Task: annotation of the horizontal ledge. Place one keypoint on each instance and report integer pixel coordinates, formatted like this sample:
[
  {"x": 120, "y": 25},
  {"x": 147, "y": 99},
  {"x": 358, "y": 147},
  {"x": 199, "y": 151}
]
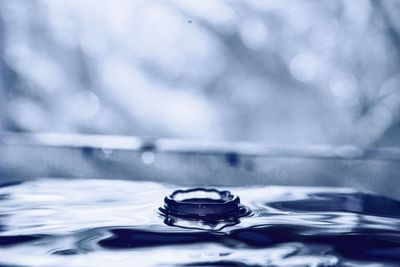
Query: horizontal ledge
[{"x": 109, "y": 142}]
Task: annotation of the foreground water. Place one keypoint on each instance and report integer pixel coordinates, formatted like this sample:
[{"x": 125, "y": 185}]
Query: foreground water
[{"x": 52, "y": 222}]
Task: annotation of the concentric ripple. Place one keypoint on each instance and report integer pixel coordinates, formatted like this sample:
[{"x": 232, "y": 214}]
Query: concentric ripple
[{"x": 53, "y": 222}]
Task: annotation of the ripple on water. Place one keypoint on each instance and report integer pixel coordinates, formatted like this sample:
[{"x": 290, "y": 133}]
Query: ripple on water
[{"x": 53, "y": 222}]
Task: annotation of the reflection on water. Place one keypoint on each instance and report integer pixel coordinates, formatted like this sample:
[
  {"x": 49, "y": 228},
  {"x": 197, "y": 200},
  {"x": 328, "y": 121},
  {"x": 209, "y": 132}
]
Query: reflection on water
[{"x": 101, "y": 223}]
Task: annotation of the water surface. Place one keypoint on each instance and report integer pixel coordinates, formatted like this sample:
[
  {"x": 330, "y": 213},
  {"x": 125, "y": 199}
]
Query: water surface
[{"x": 53, "y": 222}]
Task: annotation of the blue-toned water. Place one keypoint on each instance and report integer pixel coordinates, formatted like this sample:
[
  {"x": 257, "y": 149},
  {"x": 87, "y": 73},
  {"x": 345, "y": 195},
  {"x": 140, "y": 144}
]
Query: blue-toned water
[{"x": 53, "y": 222}]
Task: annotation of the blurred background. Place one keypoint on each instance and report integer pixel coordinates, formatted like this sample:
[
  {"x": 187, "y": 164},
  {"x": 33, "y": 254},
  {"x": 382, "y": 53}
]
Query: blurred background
[{"x": 277, "y": 72}]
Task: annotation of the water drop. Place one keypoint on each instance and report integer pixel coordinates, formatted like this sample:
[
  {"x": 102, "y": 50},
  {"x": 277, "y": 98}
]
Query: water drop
[{"x": 203, "y": 204}]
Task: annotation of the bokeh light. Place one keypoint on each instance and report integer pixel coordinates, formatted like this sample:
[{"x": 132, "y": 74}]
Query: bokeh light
[{"x": 306, "y": 73}]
